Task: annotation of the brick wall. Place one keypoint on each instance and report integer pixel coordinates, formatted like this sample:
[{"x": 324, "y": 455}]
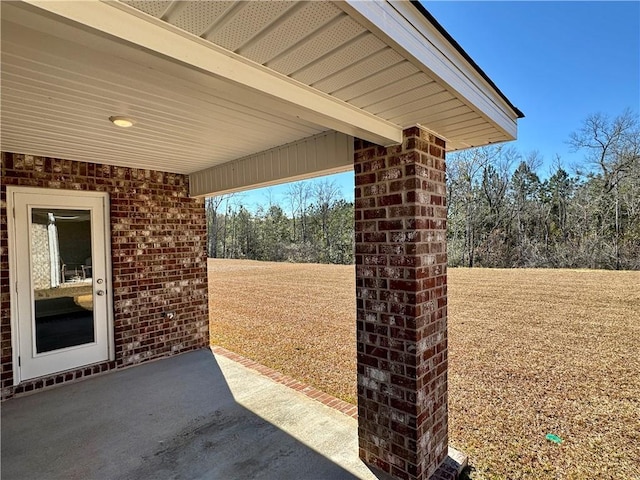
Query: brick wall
[
  {"x": 402, "y": 304},
  {"x": 159, "y": 261}
]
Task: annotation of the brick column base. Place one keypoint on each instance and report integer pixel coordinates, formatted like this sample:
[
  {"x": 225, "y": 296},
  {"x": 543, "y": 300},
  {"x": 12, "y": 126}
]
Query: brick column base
[{"x": 401, "y": 287}]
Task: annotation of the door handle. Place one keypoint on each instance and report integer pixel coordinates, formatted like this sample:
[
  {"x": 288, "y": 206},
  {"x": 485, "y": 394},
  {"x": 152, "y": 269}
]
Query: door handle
[{"x": 100, "y": 293}]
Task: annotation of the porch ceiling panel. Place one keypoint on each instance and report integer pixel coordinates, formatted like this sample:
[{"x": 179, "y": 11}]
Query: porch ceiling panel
[
  {"x": 209, "y": 82},
  {"x": 47, "y": 97},
  {"x": 360, "y": 52}
]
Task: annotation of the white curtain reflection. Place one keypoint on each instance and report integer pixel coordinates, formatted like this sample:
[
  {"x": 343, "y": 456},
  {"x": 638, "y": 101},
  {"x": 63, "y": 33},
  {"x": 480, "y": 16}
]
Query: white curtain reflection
[{"x": 54, "y": 251}]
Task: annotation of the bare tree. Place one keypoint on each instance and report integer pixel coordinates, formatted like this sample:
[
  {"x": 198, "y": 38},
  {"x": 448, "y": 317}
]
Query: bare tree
[
  {"x": 298, "y": 196},
  {"x": 613, "y": 147},
  {"x": 326, "y": 193},
  {"x": 216, "y": 222},
  {"x": 470, "y": 174}
]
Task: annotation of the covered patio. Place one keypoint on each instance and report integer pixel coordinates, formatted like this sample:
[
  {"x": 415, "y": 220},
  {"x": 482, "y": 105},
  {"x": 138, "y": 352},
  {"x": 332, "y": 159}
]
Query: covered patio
[
  {"x": 123, "y": 115},
  {"x": 138, "y": 423}
]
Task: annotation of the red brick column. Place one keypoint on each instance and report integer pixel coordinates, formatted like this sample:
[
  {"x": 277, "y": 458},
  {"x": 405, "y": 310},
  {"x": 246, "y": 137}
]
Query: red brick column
[{"x": 401, "y": 286}]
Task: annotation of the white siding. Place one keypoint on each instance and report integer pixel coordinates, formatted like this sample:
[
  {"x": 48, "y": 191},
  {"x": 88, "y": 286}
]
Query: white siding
[{"x": 329, "y": 152}]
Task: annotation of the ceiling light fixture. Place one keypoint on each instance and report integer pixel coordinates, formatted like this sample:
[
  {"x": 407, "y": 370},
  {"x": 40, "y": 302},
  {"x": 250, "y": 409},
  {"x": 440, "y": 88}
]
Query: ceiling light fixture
[{"x": 123, "y": 122}]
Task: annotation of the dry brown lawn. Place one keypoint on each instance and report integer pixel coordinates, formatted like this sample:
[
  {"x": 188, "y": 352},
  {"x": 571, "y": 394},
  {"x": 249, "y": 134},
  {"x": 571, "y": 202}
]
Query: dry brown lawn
[{"x": 531, "y": 352}]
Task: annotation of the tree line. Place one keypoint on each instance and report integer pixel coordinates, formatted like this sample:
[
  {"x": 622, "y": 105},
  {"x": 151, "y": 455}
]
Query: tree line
[
  {"x": 317, "y": 228},
  {"x": 502, "y": 214},
  {"x": 501, "y": 211}
]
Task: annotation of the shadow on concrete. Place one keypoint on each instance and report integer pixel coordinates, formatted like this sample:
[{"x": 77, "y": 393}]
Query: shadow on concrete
[
  {"x": 467, "y": 473},
  {"x": 174, "y": 418}
]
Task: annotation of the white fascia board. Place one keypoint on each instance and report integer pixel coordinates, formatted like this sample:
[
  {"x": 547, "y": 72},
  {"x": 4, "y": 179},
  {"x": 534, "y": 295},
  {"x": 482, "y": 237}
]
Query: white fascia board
[
  {"x": 322, "y": 154},
  {"x": 400, "y": 24},
  {"x": 293, "y": 98}
]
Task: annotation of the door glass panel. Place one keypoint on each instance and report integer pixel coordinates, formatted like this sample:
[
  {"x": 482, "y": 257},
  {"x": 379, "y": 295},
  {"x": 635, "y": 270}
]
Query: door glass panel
[{"x": 61, "y": 265}]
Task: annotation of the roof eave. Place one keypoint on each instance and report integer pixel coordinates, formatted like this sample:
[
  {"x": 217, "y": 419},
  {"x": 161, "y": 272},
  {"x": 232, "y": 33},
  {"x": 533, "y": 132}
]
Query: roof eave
[
  {"x": 421, "y": 40},
  {"x": 421, "y": 8}
]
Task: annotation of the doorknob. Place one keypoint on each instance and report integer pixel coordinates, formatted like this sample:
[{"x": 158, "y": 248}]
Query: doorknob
[{"x": 100, "y": 292}]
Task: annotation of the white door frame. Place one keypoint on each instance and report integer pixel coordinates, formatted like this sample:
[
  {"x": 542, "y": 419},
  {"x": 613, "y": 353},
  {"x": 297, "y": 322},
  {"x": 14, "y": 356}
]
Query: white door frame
[{"x": 13, "y": 266}]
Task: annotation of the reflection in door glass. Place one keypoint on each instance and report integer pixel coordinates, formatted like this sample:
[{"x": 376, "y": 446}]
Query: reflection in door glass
[{"x": 61, "y": 272}]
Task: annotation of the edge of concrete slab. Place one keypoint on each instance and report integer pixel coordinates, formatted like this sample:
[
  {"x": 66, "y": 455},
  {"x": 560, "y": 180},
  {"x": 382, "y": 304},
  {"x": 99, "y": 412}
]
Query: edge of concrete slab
[
  {"x": 307, "y": 390},
  {"x": 451, "y": 467}
]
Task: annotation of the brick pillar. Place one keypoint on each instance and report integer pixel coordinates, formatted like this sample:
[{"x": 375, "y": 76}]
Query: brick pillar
[{"x": 401, "y": 287}]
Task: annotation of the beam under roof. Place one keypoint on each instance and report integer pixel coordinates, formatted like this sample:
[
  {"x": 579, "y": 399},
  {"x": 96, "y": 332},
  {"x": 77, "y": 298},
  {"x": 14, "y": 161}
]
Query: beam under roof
[{"x": 323, "y": 154}]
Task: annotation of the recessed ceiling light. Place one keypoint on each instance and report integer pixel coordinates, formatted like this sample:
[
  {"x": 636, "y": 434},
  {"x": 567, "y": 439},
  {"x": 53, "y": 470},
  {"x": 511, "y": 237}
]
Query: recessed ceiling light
[{"x": 121, "y": 121}]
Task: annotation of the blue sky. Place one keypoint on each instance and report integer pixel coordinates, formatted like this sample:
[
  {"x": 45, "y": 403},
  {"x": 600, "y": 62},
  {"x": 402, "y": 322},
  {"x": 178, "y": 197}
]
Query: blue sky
[{"x": 556, "y": 61}]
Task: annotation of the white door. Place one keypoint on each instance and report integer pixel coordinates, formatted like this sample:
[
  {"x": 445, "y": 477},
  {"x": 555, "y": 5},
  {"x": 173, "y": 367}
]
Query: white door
[{"x": 61, "y": 295}]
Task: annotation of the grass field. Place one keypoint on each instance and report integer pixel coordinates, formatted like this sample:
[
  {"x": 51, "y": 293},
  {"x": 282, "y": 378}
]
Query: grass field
[{"x": 531, "y": 352}]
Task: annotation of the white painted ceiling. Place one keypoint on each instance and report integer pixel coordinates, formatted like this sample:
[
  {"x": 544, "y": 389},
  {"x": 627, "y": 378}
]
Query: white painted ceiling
[{"x": 61, "y": 81}]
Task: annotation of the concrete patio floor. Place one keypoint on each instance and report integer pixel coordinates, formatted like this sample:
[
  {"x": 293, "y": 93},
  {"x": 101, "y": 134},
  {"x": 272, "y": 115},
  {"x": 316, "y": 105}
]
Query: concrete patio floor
[{"x": 196, "y": 415}]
